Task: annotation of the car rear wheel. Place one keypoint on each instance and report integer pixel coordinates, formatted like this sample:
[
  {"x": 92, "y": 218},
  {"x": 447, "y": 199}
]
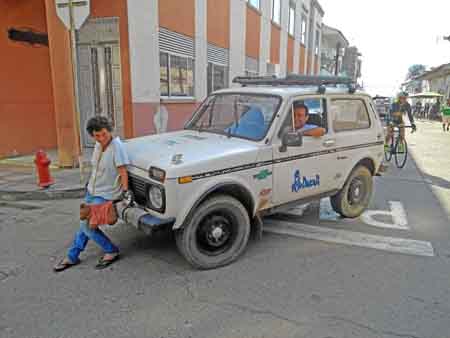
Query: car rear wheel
[
  {"x": 216, "y": 234},
  {"x": 354, "y": 197}
]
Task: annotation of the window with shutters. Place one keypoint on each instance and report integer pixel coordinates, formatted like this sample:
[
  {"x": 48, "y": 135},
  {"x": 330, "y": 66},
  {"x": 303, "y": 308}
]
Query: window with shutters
[
  {"x": 176, "y": 75},
  {"x": 217, "y": 77}
]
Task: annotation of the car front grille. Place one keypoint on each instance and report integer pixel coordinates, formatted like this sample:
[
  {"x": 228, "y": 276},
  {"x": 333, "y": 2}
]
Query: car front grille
[{"x": 139, "y": 188}]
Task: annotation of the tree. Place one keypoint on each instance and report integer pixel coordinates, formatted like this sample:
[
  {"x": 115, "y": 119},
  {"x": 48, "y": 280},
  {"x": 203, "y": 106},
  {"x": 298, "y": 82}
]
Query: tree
[{"x": 415, "y": 70}]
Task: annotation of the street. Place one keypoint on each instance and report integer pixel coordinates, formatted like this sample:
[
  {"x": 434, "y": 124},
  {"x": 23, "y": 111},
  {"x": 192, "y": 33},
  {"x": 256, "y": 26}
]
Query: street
[{"x": 318, "y": 276}]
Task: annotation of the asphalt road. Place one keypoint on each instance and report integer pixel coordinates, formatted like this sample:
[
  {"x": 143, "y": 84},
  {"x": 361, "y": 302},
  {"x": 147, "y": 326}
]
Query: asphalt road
[{"x": 283, "y": 286}]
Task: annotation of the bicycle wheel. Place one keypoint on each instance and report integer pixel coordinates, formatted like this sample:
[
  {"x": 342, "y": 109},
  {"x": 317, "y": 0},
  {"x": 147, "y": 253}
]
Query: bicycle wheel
[
  {"x": 388, "y": 151},
  {"x": 401, "y": 153}
]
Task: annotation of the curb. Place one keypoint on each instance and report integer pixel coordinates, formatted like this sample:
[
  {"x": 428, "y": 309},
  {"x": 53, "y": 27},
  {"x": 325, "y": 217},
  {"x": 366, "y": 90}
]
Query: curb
[{"x": 73, "y": 193}]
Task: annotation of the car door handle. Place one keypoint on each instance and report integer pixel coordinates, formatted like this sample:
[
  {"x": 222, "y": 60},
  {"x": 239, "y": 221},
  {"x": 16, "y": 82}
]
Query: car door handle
[{"x": 329, "y": 143}]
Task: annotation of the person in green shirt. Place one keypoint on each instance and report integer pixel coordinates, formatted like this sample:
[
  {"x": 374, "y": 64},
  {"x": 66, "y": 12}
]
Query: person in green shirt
[{"x": 445, "y": 110}]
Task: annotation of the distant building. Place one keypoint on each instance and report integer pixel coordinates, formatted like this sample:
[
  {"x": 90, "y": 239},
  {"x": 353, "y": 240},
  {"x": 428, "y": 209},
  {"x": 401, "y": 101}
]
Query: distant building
[
  {"x": 437, "y": 80},
  {"x": 334, "y": 44},
  {"x": 414, "y": 86},
  {"x": 352, "y": 63}
]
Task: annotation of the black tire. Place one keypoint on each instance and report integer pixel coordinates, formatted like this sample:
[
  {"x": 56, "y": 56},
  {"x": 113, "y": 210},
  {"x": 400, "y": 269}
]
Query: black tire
[
  {"x": 216, "y": 234},
  {"x": 355, "y": 195},
  {"x": 400, "y": 158},
  {"x": 335, "y": 205},
  {"x": 388, "y": 153}
]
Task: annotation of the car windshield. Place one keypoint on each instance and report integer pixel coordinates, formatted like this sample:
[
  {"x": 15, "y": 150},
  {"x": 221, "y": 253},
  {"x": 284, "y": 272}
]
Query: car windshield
[{"x": 241, "y": 115}]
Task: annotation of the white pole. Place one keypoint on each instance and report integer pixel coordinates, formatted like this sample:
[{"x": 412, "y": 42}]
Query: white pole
[{"x": 75, "y": 87}]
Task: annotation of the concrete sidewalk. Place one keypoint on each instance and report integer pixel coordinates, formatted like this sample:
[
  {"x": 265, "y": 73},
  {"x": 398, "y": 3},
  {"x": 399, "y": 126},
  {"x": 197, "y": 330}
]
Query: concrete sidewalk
[{"x": 18, "y": 179}]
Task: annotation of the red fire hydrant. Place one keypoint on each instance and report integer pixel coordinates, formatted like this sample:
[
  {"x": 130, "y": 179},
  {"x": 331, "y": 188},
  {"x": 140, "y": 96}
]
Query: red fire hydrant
[{"x": 42, "y": 166}]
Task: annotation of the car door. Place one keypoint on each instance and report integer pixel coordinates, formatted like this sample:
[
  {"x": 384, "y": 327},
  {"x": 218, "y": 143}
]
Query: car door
[
  {"x": 303, "y": 171},
  {"x": 355, "y": 132}
]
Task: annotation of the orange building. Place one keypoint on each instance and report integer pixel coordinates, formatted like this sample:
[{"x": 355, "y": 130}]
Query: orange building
[{"x": 147, "y": 74}]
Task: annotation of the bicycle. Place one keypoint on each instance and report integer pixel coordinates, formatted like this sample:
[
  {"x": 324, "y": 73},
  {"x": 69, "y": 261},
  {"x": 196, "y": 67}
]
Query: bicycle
[{"x": 397, "y": 148}]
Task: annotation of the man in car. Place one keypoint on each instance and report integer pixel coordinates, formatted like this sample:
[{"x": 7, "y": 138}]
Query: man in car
[{"x": 301, "y": 115}]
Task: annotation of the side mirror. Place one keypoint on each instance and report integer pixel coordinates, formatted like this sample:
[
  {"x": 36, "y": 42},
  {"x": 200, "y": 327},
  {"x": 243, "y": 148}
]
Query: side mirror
[{"x": 291, "y": 139}]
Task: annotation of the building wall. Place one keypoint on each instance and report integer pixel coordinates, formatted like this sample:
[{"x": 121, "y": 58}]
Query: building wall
[
  {"x": 275, "y": 44},
  {"x": 230, "y": 24},
  {"x": 290, "y": 55},
  {"x": 252, "y": 32},
  {"x": 26, "y": 97},
  {"x": 238, "y": 19},
  {"x": 218, "y": 23},
  {"x": 265, "y": 36},
  {"x": 302, "y": 59},
  {"x": 178, "y": 16}
]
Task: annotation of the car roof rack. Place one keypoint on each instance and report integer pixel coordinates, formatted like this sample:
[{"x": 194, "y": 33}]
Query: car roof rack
[{"x": 297, "y": 80}]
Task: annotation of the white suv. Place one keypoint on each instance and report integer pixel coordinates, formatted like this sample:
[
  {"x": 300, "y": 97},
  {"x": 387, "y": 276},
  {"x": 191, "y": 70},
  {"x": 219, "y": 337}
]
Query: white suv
[{"x": 238, "y": 159}]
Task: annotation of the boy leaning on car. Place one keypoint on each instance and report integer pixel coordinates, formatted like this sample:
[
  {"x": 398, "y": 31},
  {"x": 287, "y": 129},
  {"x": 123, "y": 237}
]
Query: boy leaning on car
[{"x": 108, "y": 182}]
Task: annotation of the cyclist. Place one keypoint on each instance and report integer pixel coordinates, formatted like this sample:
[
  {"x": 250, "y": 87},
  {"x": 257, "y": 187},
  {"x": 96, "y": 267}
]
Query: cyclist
[
  {"x": 445, "y": 110},
  {"x": 395, "y": 118}
]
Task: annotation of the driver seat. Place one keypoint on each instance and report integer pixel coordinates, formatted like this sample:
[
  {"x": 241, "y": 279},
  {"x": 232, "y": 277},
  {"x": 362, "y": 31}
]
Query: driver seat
[{"x": 251, "y": 125}]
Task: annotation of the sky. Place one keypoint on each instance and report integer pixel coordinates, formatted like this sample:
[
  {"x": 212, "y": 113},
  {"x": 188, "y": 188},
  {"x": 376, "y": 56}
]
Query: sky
[{"x": 392, "y": 35}]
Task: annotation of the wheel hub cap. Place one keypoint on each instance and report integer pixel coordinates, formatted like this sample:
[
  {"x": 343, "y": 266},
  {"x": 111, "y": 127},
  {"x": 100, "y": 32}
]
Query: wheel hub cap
[
  {"x": 217, "y": 233},
  {"x": 356, "y": 191}
]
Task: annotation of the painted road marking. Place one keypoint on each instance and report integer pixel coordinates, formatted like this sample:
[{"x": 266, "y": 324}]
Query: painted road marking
[
  {"x": 391, "y": 244},
  {"x": 326, "y": 211},
  {"x": 397, "y": 213}
]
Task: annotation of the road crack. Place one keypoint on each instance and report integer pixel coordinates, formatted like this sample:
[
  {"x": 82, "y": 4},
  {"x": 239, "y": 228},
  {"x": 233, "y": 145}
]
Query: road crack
[
  {"x": 369, "y": 328},
  {"x": 252, "y": 310}
]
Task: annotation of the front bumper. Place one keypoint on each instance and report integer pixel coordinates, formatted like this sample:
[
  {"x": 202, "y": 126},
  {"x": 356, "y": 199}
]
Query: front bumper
[{"x": 141, "y": 219}]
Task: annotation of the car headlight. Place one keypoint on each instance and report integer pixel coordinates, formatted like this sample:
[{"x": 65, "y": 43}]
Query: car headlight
[{"x": 156, "y": 197}]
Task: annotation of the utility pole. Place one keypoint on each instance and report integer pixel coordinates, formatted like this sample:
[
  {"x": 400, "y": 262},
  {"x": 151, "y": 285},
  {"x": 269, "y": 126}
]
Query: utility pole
[
  {"x": 338, "y": 52},
  {"x": 71, "y": 4},
  {"x": 73, "y": 21}
]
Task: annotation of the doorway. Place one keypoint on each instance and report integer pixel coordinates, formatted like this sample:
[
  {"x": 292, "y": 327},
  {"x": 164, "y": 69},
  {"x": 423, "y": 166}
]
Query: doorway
[{"x": 99, "y": 74}]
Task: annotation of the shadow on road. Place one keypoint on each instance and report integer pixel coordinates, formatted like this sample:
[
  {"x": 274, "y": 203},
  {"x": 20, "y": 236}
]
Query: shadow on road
[{"x": 437, "y": 181}]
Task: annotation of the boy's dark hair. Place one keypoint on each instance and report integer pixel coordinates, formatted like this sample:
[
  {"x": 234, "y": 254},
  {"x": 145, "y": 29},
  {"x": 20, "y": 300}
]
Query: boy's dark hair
[
  {"x": 97, "y": 123},
  {"x": 301, "y": 104}
]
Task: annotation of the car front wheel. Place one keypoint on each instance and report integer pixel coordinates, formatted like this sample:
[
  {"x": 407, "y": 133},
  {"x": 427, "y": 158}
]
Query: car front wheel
[
  {"x": 216, "y": 234},
  {"x": 354, "y": 197}
]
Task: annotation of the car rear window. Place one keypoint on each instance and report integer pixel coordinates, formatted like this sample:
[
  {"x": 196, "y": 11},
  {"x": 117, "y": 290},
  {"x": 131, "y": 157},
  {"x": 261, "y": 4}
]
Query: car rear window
[{"x": 349, "y": 114}]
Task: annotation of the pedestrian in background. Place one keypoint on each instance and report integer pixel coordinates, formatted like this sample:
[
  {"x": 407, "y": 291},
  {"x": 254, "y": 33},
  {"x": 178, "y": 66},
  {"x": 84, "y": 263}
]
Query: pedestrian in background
[
  {"x": 426, "y": 109},
  {"x": 445, "y": 111},
  {"x": 108, "y": 182}
]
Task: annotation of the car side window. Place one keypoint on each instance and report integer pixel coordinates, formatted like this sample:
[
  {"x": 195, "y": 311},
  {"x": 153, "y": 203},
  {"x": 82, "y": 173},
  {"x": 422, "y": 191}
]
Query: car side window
[
  {"x": 317, "y": 116},
  {"x": 349, "y": 114}
]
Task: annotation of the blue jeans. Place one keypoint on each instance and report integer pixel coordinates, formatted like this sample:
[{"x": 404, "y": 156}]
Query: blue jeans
[{"x": 84, "y": 234}]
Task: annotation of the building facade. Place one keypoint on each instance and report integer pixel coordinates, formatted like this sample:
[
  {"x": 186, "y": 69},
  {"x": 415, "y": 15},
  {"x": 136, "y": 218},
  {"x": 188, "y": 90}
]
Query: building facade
[
  {"x": 437, "y": 80},
  {"x": 147, "y": 74},
  {"x": 334, "y": 44},
  {"x": 352, "y": 63}
]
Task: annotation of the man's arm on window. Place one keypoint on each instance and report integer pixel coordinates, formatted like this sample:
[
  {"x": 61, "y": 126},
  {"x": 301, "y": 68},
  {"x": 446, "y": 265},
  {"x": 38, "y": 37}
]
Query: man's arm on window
[{"x": 315, "y": 132}]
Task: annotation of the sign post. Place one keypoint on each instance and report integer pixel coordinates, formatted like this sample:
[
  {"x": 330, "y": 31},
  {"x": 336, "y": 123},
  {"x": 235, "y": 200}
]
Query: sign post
[{"x": 73, "y": 14}]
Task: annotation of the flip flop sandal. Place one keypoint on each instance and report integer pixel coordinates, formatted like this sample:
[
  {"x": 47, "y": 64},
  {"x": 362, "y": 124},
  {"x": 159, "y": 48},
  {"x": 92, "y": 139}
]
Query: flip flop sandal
[
  {"x": 61, "y": 266},
  {"x": 103, "y": 263}
]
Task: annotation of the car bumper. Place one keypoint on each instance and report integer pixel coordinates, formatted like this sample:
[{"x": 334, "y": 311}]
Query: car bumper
[{"x": 141, "y": 219}]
